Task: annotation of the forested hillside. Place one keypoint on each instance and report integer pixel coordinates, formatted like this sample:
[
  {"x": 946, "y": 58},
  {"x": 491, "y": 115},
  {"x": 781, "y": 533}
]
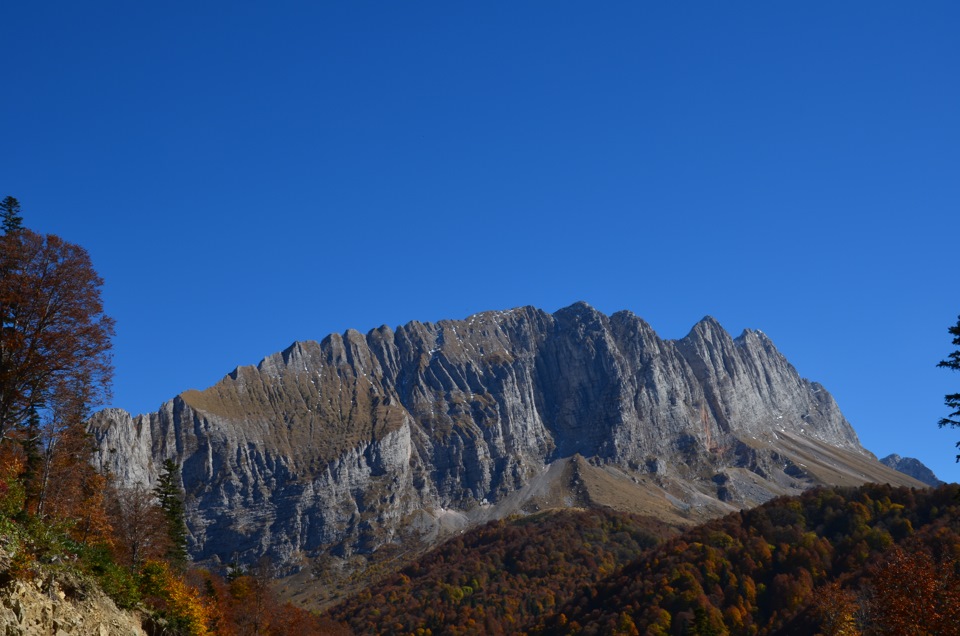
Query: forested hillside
[
  {"x": 504, "y": 576},
  {"x": 869, "y": 560},
  {"x": 796, "y": 565}
]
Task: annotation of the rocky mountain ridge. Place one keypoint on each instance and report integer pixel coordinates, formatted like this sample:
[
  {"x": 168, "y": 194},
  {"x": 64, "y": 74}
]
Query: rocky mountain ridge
[
  {"x": 363, "y": 444},
  {"x": 913, "y": 467}
]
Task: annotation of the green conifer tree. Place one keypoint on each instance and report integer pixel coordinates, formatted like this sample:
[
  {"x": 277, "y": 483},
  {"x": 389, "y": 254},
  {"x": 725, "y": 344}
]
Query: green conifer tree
[
  {"x": 10, "y": 214},
  {"x": 170, "y": 498},
  {"x": 952, "y": 400}
]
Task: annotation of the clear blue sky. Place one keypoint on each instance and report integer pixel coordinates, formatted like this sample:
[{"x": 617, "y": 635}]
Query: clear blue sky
[{"x": 247, "y": 174}]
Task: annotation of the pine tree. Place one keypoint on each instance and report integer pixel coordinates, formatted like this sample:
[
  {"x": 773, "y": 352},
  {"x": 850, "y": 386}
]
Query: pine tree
[
  {"x": 10, "y": 213},
  {"x": 953, "y": 400},
  {"x": 170, "y": 499}
]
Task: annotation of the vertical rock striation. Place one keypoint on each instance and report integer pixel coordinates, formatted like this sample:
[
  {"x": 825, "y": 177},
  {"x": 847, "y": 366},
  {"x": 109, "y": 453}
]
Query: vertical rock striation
[{"x": 345, "y": 445}]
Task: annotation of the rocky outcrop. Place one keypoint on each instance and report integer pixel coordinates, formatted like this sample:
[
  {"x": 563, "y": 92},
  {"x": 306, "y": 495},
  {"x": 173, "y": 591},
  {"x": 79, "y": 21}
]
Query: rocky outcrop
[
  {"x": 42, "y": 608},
  {"x": 913, "y": 467},
  {"x": 360, "y": 441}
]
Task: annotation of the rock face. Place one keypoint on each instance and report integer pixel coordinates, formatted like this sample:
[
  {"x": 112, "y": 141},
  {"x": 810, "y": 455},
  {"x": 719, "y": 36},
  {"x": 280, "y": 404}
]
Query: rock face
[
  {"x": 36, "y": 608},
  {"x": 913, "y": 467},
  {"x": 361, "y": 441}
]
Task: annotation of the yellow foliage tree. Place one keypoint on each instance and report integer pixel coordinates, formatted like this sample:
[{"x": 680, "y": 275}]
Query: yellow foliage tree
[{"x": 177, "y": 602}]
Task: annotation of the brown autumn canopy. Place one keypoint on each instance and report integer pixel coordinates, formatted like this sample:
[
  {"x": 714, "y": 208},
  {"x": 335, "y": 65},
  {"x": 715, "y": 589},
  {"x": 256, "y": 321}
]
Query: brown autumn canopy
[{"x": 54, "y": 337}]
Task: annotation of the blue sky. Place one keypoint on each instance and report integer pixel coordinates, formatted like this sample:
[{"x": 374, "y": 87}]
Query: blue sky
[{"x": 249, "y": 174}]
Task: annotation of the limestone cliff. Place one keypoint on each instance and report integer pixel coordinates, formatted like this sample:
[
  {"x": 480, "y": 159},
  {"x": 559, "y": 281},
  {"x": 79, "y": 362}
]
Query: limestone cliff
[{"x": 364, "y": 441}]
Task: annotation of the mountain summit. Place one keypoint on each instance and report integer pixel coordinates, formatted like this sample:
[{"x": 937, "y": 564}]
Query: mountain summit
[
  {"x": 913, "y": 467},
  {"x": 361, "y": 444}
]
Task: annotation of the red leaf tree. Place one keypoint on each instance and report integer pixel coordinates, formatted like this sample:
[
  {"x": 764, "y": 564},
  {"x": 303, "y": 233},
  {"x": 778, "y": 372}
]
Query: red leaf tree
[
  {"x": 55, "y": 362},
  {"x": 54, "y": 337}
]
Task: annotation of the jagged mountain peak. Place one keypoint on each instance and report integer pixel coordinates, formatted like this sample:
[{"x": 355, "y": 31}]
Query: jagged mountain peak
[
  {"x": 357, "y": 442},
  {"x": 913, "y": 467},
  {"x": 580, "y": 306},
  {"x": 707, "y": 335},
  {"x": 707, "y": 324},
  {"x": 748, "y": 335},
  {"x": 709, "y": 330}
]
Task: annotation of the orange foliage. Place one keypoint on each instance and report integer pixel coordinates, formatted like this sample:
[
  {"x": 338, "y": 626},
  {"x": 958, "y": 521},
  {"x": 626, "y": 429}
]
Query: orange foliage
[
  {"x": 504, "y": 577},
  {"x": 180, "y": 604},
  {"x": 246, "y": 606},
  {"x": 139, "y": 526},
  {"x": 70, "y": 488},
  {"x": 793, "y": 565},
  {"x": 54, "y": 367},
  {"x": 55, "y": 338},
  {"x": 836, "y": 608},
  {"x": 913, "y": 594}
]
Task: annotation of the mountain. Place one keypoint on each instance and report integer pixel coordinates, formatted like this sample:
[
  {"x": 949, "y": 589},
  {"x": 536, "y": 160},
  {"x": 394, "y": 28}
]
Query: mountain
[
  {"x": 913, "y": 467},
  {"x": 375, "y": 446}
]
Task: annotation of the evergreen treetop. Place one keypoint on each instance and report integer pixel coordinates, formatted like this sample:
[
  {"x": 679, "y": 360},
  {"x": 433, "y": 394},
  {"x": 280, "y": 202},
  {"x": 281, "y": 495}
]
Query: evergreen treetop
[
  {"x": 952, "y": 400},
  {"x": 170, "y": 499},
  {"x": 10, "y": 214}
]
